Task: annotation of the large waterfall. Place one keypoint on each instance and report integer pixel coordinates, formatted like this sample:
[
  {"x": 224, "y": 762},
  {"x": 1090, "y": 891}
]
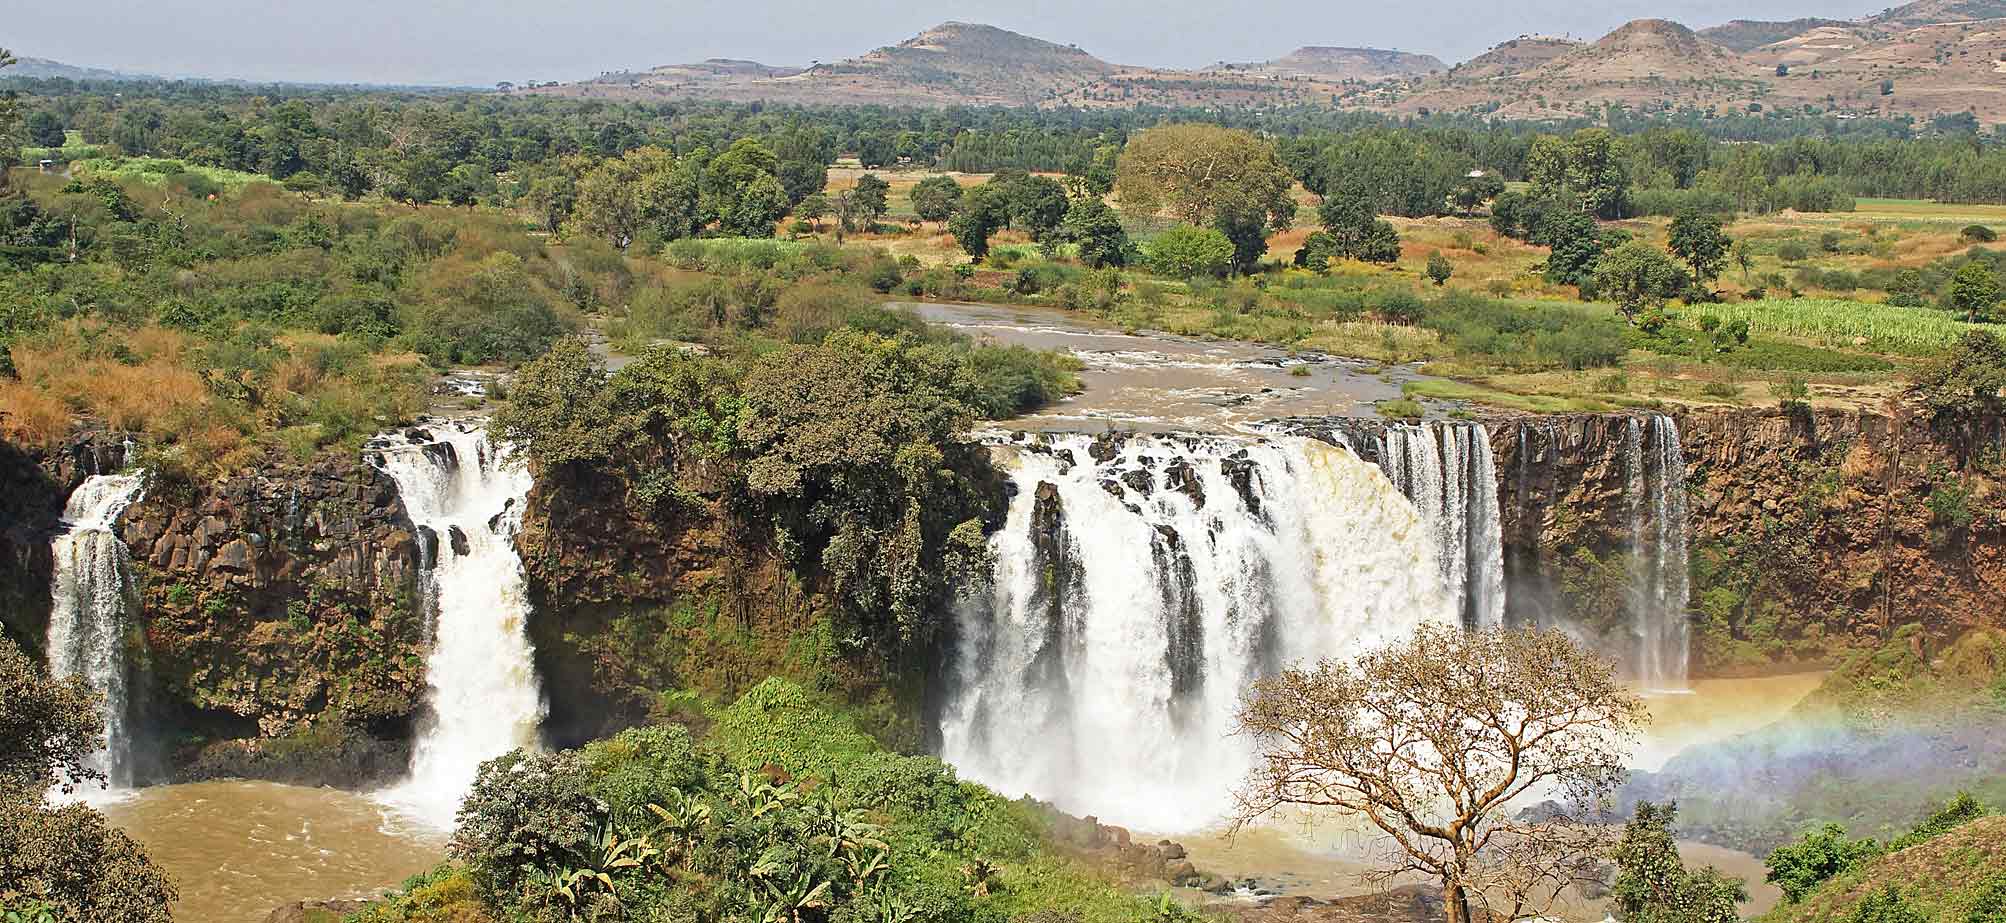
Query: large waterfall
[
  {"x": 1141, "y": 583},
  {"x": 482, "y": 696},
  {"x": 91, "y": 595},
  {"x": 1446, "y": 469},
  {"x": 1655, "y": 470}
]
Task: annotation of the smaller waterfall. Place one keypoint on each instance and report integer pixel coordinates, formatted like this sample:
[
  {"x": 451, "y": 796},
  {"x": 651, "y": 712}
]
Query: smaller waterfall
[
  {"x": 482, "y": 696},
  {"x": 1447, "y": 471},
  {"x": 91, "y": 596},
  {"x": 1656, "y": 485}
]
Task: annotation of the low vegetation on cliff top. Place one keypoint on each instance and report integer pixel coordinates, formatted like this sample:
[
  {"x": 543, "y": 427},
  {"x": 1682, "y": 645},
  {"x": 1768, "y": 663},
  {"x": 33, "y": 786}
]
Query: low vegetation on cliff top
[{"x": 783, "y": 811}]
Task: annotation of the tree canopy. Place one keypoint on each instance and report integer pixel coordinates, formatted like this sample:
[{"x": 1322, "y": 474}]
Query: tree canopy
[{"x": 1435, "y": 739}]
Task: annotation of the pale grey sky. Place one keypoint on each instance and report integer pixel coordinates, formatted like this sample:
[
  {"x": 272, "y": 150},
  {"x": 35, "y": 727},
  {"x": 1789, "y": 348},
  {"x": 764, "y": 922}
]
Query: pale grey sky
[{"x": 477, "y": 43}]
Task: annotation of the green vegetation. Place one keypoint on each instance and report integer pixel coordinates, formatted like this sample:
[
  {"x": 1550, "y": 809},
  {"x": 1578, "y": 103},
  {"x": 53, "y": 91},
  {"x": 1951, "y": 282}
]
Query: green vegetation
[
  {"x": 1653, "y": 884},
  {"x": 783, "y": 811},
  {"x": 61, "y": 863},
  {"x": 1836, "y": 323},
  {"x": 1945, "y": 868}
]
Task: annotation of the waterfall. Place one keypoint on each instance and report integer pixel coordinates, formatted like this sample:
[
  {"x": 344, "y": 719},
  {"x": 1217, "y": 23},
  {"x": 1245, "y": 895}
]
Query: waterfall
[
  {"x": 1446, "y": 469},
  {"x": 482, "y": 700},
  {"x": 1656, "y": 487},
  {"x": 91, "y": 595},
  {"x": 1141, "y": 584}
]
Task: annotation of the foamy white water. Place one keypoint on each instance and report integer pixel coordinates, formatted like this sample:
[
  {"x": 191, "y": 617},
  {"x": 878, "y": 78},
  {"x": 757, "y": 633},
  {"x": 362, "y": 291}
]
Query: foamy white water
[
  {"x": 91, "y": 596},
  {"x": 1660, "y": 578},
  {"x": 482, "y": 698},
  {"x": 1103, "y": 669}
]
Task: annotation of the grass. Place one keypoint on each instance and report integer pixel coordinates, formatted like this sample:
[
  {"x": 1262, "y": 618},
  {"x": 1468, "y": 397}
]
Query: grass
[
  {"x": 1441, "y": 389},
  {"x": 1842, "y": 323},
  {"x": 157, "y": 170}
]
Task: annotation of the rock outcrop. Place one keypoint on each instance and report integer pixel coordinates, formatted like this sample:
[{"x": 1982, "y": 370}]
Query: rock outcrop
[{"x": 1811, "y": 533}]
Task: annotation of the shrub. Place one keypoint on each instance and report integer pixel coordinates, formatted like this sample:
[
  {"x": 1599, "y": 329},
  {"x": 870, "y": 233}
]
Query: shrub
[
  {"x": 1886, "y": 905},
  {"x": 1799, "y": 868},
  {"x": 1978, "y": 233},
  {"x": 1187, "y": 252}
]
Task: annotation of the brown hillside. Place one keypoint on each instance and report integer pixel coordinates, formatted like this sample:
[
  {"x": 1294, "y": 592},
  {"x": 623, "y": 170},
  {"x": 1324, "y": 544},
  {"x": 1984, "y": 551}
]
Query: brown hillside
[
  {"x": 1515, "y": 57},
  {"x": 1933, "y": 12},
  {"x": 976, "y": 62},
  {"x": 1815, "y": 45},
  {"x": 1367, "y": 64},
  {"x": 1642, "y": 50},
  {"x": 1744, "y": 35},
  {"x": 1946, "y": 68}
]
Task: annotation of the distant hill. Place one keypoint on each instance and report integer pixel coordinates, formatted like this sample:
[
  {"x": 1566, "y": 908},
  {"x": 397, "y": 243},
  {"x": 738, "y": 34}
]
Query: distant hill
[
  {"x": 957, "y": 63},
  {"x": 1642, "y": 50},
  {"x": 954, "y": 63},
  {"x": 1515, "y": 57},
  {"x": 1928, "y": 58},
  {"x": 1368, "y": 64},
  {"x": 1750, "y": 34},
  {"x": 45, "y": 69}
]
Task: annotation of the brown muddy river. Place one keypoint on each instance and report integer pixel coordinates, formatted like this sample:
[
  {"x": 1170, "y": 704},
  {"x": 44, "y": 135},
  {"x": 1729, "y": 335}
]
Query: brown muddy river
[
  {"x": 238, "y": 849},
  {"x": 1157, "y": 382}
]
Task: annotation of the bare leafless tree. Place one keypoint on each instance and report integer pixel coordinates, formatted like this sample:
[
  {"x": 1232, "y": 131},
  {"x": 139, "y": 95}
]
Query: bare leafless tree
[{"x": 1438, "y": 741}]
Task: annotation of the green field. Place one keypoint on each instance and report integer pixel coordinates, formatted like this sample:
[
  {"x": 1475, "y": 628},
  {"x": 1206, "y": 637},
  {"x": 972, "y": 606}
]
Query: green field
[
  {"x": 1849, "y": 324},
  {"x": 1924, "y": 208}
]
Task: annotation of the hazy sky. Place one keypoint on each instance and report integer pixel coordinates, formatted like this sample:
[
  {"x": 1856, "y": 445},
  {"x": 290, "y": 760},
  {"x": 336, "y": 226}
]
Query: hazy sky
[{"x": 477, "y": 43}]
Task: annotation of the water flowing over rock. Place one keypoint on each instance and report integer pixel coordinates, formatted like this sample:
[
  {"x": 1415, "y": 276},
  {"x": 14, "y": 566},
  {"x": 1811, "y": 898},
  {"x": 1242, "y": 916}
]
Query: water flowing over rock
[
  {"x": 1657, "y": 494},
  {"x": 482, "y": 696},
  {"x": 1446, "y": 469},
  {"x": 1102, "y": 666},
  {"x": 92, "y": 595}
]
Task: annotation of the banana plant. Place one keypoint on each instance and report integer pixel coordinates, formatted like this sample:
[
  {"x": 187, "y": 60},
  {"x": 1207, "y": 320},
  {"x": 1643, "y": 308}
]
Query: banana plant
[
  {"x": 761, "y": 797},
  {"x": 681, "y": 820}
]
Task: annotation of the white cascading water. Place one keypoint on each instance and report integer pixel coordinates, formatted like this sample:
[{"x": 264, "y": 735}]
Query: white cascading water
[
  {"x": 1136, "y": 599},
  {"x": 482, "y": 698},
  {"x": 1446, "y": 469},
  {"x": 1660, "y": 582},
  {"x": 91, "y": 595}
]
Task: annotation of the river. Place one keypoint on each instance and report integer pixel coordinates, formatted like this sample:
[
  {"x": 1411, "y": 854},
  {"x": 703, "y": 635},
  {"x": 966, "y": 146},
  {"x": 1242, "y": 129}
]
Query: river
[
  {"x": 238, "y": 849},
  {"x": 1158, "y": 382}
]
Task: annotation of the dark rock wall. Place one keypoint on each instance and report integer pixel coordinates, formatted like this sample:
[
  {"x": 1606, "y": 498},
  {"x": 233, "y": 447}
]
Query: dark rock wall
[{"x": 1810, "y": 533}]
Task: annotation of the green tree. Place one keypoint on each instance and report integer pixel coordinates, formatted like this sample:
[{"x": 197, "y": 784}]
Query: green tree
[
  {"x": 1799, "y": 868},
  {"x": 876, "y": 150},
  {"x": 1698, "y": 241},
  {"x": 1247, "y": 228},
  {"x": 45, "y": 129},
  {"x": 1439, "y": 269},
  {"x": 1974, "y": 290},
  {"x": 1576, "y": 248},
  {"x": 645, "y": 191},
  {"x": 1194, "y": 170},
  {"x": 1355, "y": 231},
  {"x": 1637, "y": 276},
  {"x": 813, "y": 209},
  {"x": 1653, "y": 884},
  {"x": 1964, "y": 384},
  {"x": 868, "y": 199},
  {"x": 1096, "y": 230},
  {"x": 982, "y": 211},
  {"x": 1188, "y": 252},
  {"x": 1887, "y": 905},
  {"x": 935, "y": 198},
  {"x": 1474, "y": 191},
  {"x": 1586, "y": 168},
  {"x": 68, "y": 858}
]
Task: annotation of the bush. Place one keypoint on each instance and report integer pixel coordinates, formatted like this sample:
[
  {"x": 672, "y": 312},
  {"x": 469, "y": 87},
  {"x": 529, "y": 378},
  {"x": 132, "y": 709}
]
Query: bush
[
  {"x": 1978, "y": 234},
  {"x": 1799, "y": 868},
  {"x": 1187, "y": 252},
  {"x": 1886, "y": 905}
]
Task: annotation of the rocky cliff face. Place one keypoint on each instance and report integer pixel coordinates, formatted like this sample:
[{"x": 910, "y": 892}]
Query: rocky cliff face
[
  {"x": 1810, "y": 533},
  {"x": 636, "y": 595},
  {"x": 281, "y": 616},
  {"x": 280, "y": 636}
]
